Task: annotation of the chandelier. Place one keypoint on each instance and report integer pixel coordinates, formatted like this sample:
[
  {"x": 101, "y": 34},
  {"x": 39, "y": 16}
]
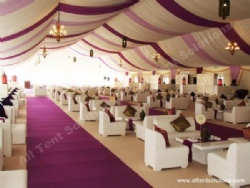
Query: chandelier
[
  {"x": 58, "y": 30},
  {"x": 38, "y": 61},
  {"x": 120, "y": 63},
  {"x": 44, "y": 50},
  {"x": 156, "y": 56},
  {"x": 232, "y": 47},
  {"x": 224, "y": 8}
]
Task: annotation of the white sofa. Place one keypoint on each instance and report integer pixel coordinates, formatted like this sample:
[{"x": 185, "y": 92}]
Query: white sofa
[
  {"x": 148, "y": 123},
  {"x": 95, "y": 104},
  {"x": 40, "y": 91},
  {"x": 85, "y": 115},
  {"x": 72, "y": 107},
  {"x": 107, "y": 128},
  {"x": 140, "y": 97},
  {"x": 57, "y": 94},
  {"x": 106, "y": 91},
  {"x": 229, "y": 104},
  {"x": 19, "y": 133},
  {"x": 16, "y": 106},
  {"x": 119, "y": 115},
  {"x": 14, "y": 179},
  {"x": 238, "y": 114},
  {"x": 63, "y": 98},
  {"x": 125, "y": 98},
  {"x": 1, "y": 149},
  {"x": 7, "y": 137},
  {"x": 178, "y": 103},
  {"x": 164, "y": 123},
  {"x": 231, "y": 165},
  {"x": 153, "y": 103},
  {"x": 158, "y": 156},
  {"x": 18, "y": 129},
  {"x": 10, "y": 112},
  {"x": 200, "y": 109}
]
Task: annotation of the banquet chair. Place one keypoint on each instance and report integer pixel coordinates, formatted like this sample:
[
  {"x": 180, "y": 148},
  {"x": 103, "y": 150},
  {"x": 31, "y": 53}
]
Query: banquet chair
[
  {"x": 88, "y": 115},
  {"x": 106, "y": 127},
  {"x": 232, "y": 164}
]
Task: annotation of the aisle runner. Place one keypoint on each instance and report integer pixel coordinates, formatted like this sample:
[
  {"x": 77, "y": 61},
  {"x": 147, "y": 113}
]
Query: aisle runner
[{"x": 60, "y": 154}]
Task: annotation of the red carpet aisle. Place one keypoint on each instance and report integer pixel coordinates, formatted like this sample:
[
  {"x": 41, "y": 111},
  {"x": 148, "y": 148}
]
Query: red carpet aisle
[{"x": 60, "y": 154}]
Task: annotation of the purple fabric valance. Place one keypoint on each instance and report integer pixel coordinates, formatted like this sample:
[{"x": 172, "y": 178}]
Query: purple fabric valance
[
  {"x": 197, "y": 47},
  {"x": 199, "y": 70},
  {"x": 125, "y": 59},
  {"x": 98, "y": 48},
  {"x": 29, "y": 29},
  {"x": 148, "y": 25},
  {"x": 115, "y": 62},
  {"x": 94, "y": 10},
  {"x": 143, "y": 57},
  {"x": 21, "y": 53},
  {"x": 112, "y": 30},
  {"x": 173, "y": 73},
  {"x": 106, "y": 64},
  {"x": 187, "y": 16},
  {"x": 166, "y": 56},
  {"x": 235, "y": 71}
]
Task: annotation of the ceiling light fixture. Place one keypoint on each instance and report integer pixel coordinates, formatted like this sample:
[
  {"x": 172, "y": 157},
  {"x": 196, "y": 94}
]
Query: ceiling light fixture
[
  {"x": 44, "y": 51},
  {"x": 91, "y": 53},
  {"x": 124, "y": 41},
  {"x": 120, "y": 63},
  {"x": 156, "y": 56},
  {"x": 58, "y": 30},
  {"x": 232, "y": 46},
  {"x": 124, "y": 38},
  {"x": 224, "y": 8}
]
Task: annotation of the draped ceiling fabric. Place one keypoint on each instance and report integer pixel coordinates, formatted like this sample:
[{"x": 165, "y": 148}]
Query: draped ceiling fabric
[{"x": 185, "y": 33}]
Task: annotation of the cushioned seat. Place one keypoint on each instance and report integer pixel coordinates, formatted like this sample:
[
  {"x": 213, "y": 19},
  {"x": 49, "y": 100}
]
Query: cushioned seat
[
  {"x": 158, "y": 156},
  {"x": 177, "y": 103},
  {"x": 106, "y": 127},
  {"x": 1, "y": 149},
  {"x": 153, "y": 102},
  {"x": 239, "y": 114},
  {"x": 18, "y": 133},
  {"x": 201, "y": 109},
  {"x": 7, "y": 137},
  {"x": 85, "y": 115},
  {"x": 73, "y": 106},
  {"x": 14, "y": 179},
  {"x": 63, "y": 98},
  {"x": 232, "y": 164}
]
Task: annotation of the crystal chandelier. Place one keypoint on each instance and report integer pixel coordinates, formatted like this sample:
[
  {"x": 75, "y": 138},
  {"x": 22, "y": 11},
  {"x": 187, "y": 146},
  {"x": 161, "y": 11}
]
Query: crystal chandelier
[
  {"x": 58, "y": 30},
  {"x": 232, "y": 47},
  {"x": 156, "y": 56}
]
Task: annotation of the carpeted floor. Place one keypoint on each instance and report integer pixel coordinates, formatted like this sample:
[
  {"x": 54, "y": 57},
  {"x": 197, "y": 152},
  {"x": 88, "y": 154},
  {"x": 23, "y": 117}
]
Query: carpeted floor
[
  {"x": 130, "y": 150},
  {"x": 64, "y": 155}
]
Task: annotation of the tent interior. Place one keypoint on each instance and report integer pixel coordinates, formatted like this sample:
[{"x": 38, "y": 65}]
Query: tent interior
[{"x": 186, "y": 35}]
